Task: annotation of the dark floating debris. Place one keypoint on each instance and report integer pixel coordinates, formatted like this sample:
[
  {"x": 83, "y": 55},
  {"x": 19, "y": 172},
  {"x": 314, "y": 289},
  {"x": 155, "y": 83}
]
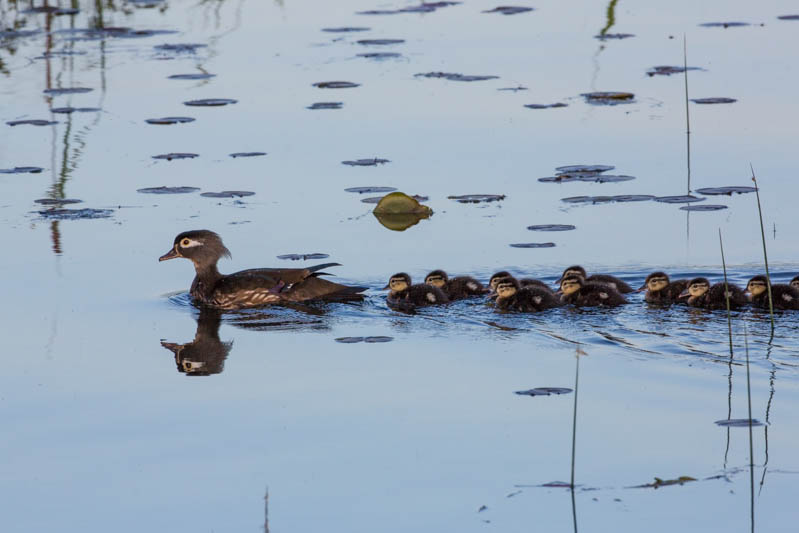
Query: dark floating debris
[
  {"x": 605, "y": 178},
  {"x": 349, "y": 340},
  {"x": 61, "y": 53},
  {"x": 21, "y": 170},
  {"x": 235, "y": 155},
  {"x": 717, "y": 191},
  {"x": 451, "y": 76},
  {"x": 477, "y": 198},
  {"x": 552, "y": 227},
  {"x": 325, "y": 105},
  {"x": 362, "y": 190},
  {"x": 533, "y": 245},
  {"x": 608, "y": 97},
  {"x": 76, "y": 214},
  {"x": 210, "y": 102},
  {"x": 380, "y": 55},
  {"x": 424, "y": 7},
  {"x": 335, "y": 84},
  {"x": 139, "y": 34},
  {"x": 377, "y": 338},
  {"x": 67, "y": 90},
  {"x": 679, "y": 199},
  {"x": 633, "y": 198},
  {"x": 622, "y": 198},
  {"x": 376, "y": 199},
  {"x": 57, "y": 201},
  {"x": 32, "y": 122},
  {"x": 569, "y": 169},
  {"x": 543, "y": 391},
  {"x": 346, "y": 29},
  {"x": 168, "y": 190},
  {"x": 198, "y": 76},
  {"x": 354, "y": 340},
  {"x": 176, "y": 155},
  {"x": 546, "y": 106},
  {"x": 724, "y": 24},
  {"x": 181, "y": 48},
  {"x": 703, "y": 207},
  {"x": 165, "y": 121},
  {"x": 509, "y": 10},
  {"x": 738, "y": 423},
  {"x": 144, "y": 4},
  {"x": 380, "y": 42},
  {"x": 608, "y": 36},
  {"x": 68, "y": 110},
  {"x": 714, "y": 100},
  {"x": 51, "y": 10},
  {"x": 788, "y": 17},
  {"x": 665, "y": 482},
  {"x": 303, "y": 257},
  {"x": 366, "y": 162},
  {"x": 17, "y": 34},
  {"x": 514, "y": 89},
  {"x": 666, "y": 70},
  {"x": 227, "y": 194}
]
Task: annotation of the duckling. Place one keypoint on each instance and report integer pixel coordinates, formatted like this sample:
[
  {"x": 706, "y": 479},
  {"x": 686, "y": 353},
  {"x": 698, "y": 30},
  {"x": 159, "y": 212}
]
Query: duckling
[
  {"x": 403, "y": 294},
  {"x": 613, "y": 281},
  {"x": 455, "y": 288},
  {"x": 512, "y": 296},
  {"x": 782, "y": 296},
  {"x": 524, "y": 282},
  {"x": 577, "y": 291},
  {"x": 254, "y": 287},
  {"x": 795, "y": 282},
  {"x": 701, "y": 294},
  {"x": 661, "y": 290}
]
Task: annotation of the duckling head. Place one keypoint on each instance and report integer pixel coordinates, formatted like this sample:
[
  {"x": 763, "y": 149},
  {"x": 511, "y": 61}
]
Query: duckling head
[
  {"x": 574, "y": 270},
  {"x": 696, "y": 288},
  {"x": 656, "y": 281},
  {"x": 398, "y": 282},
  {"x": 757, "y": 285},
  {"x": 437, "y": 278},
  {"x": 507, "y": 287},
  {"x": 492, "y": 283},
  {"x": 571, "y": 284},
  {"x": 795, "y": 282},
  {"x": 202, "y": 247}
]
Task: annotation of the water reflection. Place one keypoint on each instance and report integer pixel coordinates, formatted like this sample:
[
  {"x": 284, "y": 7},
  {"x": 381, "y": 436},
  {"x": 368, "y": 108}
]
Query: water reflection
[{"x": 206, "y": 354}]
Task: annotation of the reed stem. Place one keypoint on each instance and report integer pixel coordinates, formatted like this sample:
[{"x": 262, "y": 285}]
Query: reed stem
[
  {"x": 765, "y": 254},
  {"x": 687, "y": 115},
  {"x": 726, "y": 292}
]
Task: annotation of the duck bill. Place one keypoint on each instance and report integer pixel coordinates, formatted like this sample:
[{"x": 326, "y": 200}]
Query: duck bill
[
  {"x": 171, "y": 254},
  {"x": 387, "y": 287},
  {"x": 642, "y": 288},
  {"x": 683, "y": 295}
]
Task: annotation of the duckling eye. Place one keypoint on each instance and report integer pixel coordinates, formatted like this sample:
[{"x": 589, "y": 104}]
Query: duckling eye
[{"x": 185, "y": 242}]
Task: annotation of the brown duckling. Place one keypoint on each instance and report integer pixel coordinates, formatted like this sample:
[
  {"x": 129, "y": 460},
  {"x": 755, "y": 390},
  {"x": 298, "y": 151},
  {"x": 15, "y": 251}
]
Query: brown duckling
[
  {"x": 795, "y": 282},
  {"x": 577, "y": 291},
  {"x": 455, "y": 288},
  {"x": 701, "y": 294},
  {"x": 524, "y": 282},
  {"x": 616, "y": 283},
  {"x": 661, "y": 290},
  {"x": 254, "y": 287},
  {"x": 402, "y": 293},
  {"x": 782, "y": 296},
  {"x": 513, "y": 297}
]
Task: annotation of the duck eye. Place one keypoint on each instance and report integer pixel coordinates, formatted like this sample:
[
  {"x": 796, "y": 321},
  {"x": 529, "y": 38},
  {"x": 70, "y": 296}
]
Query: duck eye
[{"x": 185, "y": 242}]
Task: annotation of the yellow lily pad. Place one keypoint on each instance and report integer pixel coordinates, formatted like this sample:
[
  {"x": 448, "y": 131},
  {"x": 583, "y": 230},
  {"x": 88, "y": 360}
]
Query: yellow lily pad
[{"x": 399, "y": 203}]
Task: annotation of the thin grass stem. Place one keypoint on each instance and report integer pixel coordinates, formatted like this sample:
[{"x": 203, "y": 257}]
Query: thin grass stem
[
  {"x": 687, "y": 115},
  {"x": 726, "y": 292},
  {"x": 765, "y": 254}
]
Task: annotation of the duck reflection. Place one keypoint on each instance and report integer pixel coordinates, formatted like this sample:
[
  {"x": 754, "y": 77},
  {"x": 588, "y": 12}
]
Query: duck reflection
[{"x": 206, "y": 354}]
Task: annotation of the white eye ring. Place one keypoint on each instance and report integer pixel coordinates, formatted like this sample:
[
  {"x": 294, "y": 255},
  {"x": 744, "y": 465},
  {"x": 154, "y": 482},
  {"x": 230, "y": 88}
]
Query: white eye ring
[{"x": 189, "y": 243}]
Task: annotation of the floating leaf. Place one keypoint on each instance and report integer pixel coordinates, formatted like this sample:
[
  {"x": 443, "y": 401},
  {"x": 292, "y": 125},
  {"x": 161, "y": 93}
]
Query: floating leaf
[
  {"x": 325, "y": 105},
  {"x": 362, "y": 190},
  {"x": 345, "y": 29},
  {"x": 198, "y": 76},
  {"x": 210, "y": 102},
  {"x": 76, "y": 214},
  {"x": 181, "y": 48},
  {"x": 377, "y": 338},
  {"x": 376, "y": 199},
  {"x": 68, "y": 110},
  {"x": 679, "y": 199},
  {"x": 513, "y": 89},
  {"x": 335, "y": 84},
  {"x": 380, "y": 55},
  {"x": 67, "y": 90},
  {"x": 533, "y": 245},
  {"x": 21, "y": 170},
  {"x": 724, "y": 24},
  {"x": 451, "y": 76},
  {"x": 380, "y": 42},
  {"x": 165, "y": 121},
  {"x": 665, "y": 482},
  {"x": 667, "y": 70},
  {"x": 32, "y": 122},
  {"x": 366, "y": 162},
  {"x": 608, "y": 97},
  {"x": 477, "y": 198},
  {"x": 227, "y": 194},
  {"x": 400, "y": 222},
  {"x": 509, "y": 10},
  {"x": 715, "y": 191},
  {"x": 398, "y": 203},
  {"x": 607, "y": 36},
  {"x": 246, "y": 154},
  {"x": 176, "y": 155},
  {"x": 788, "y": 17},
  {"x": 633, "y": 198},
  {"x": 552, "y": 227},
  {"x": 424, "y": 7},
  {"x": 570, "y": 169},
  {"x": 168, "y": 190},
  {"x": 546, "y": 106},
  {"x": 57, "y": 201},
  {"x": 349, "y": 340},
  {"x": 738, "y": 423},
  {"x": 607, "y": 199},
  {"x": 543, "y": 391},
  {"x": 714, "y": 100},
  {"x": 703, "y": 207},
  {"x": 604, "y": 178},
  {"x": 303, "y": 257}
]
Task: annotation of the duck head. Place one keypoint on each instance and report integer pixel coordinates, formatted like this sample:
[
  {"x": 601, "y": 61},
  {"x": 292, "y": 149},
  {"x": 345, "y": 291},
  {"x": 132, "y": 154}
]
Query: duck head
[
  {"x": 202, "y": 247},
  {"x": 795, "y": 282},
  {"x": 696, "y": 288},
  {"x": 506, "y": 287},
  {"x": 398, "y": 282},
  {"x": 656, "y": 281},
  {"x": 574, "y": 270},
  {"x": 437, "y": 278},
  {"x": 757, "y": 285},
  {"x": 495, "y": 279},
  {"x": 569, "y": 284}
]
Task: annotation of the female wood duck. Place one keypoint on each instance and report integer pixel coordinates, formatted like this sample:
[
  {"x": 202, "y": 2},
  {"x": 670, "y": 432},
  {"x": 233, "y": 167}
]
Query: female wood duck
[
  {"x": 577, "y": 291},
  {"x": 661, "y": 290},
  {"x": 616, "y": 283},
  {"x": 405, "y": 295},
  {"x": 455, "y": 288},
  {"x": 250, "y": 288},
  {"x": 513, "y": 297},
  {"x": 701, "y": 294},
  {"x": 782, "y": 296}
]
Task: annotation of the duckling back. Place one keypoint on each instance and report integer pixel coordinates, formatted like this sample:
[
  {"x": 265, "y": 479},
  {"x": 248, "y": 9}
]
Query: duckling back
[
  {"x": 417, "y": 295},
  {"x": 783, "y": 297},
  {"x": 530, "y": 299},
  {"x": 618, "y": 284},
  {"x": 669, "y": 294},
  {"x": 595, "y": 294},
  {"x": 464, "y": 287},
  {"x": 716, "y": 297}
]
